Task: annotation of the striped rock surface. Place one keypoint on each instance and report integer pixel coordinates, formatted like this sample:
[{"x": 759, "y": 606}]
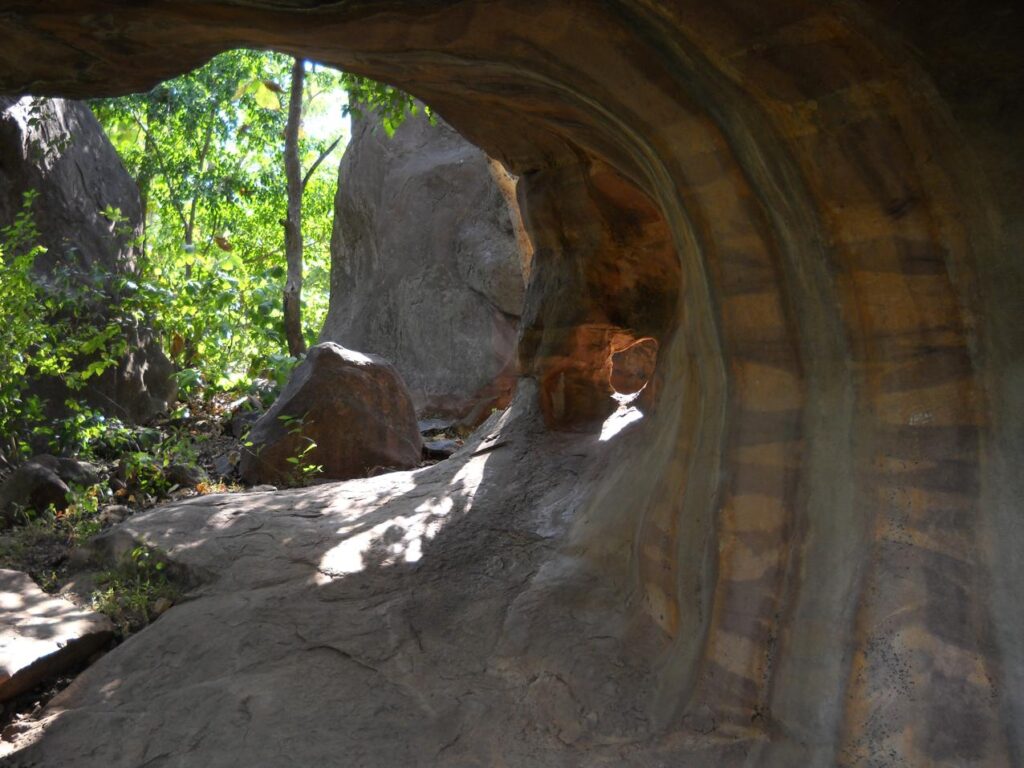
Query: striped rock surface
[{"x": 814, "y": 209}]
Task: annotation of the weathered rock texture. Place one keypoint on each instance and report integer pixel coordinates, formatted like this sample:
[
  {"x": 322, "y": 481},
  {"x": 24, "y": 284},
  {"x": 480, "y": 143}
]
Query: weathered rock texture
[
  {"x": 42, "y": 635},
  {"x": 58, "y": 149},
  {"x": 343, "y": 411},
  {"x": 810, "y": 552},
  {"x": 425, "y": 267}
]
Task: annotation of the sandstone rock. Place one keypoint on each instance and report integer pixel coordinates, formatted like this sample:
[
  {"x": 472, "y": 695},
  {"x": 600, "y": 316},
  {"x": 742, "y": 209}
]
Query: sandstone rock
[
  {"x": 162, "y": 605},
  {"x": 72, "y": 471},
  {"x": 425, "y": 266},
  {"x": 43, "y": 481},
  {"x": 42, "y": 635},
  {"x": 434, "y": 426},
  {"x": 352, "y": 407},
  {"x": 225, "y": 465},
  {"x": 58, "y": 149},
  {"x": 807, "y": 551},
  {"x": 114, "y": 513}
]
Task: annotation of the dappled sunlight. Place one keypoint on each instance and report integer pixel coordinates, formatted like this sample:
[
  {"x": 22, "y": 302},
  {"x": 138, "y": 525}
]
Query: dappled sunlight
[{"x": 399, "y": 538}]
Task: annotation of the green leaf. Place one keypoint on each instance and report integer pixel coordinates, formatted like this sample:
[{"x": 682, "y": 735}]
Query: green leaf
[
  {"x": 266, "y": 98},
  {"x": 244, "y": 87}
]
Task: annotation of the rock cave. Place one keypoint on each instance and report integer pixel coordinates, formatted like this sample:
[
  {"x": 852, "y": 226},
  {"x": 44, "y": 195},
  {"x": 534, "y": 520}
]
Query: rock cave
[{"x": 808, "y": 551}]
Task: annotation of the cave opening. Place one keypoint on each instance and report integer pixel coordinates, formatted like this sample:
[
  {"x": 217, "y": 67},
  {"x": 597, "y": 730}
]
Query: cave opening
[{"x": 812, "y": 557}]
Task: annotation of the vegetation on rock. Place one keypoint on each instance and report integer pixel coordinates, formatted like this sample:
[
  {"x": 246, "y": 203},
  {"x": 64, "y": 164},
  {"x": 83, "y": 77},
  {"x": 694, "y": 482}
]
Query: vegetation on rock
[{"x": 206, "y": 150}]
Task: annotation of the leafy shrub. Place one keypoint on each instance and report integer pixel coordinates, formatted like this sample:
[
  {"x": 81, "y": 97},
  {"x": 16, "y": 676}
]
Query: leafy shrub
[{"x": 56, "y": 326}]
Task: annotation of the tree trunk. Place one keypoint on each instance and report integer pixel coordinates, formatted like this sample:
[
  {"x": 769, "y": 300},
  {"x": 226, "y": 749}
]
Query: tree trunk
[{"x": 293, "y": 219}]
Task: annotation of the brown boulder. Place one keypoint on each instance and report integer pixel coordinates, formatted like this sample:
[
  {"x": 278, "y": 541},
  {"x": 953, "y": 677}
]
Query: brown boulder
[
  {"x": 32, "y": 486},
  {"x": 41, "y": 482},
  {"x": 344, "y": 411}
]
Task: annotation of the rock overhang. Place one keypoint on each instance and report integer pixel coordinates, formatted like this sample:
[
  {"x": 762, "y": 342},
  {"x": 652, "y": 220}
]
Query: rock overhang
[{"x": 807, "y": 207}]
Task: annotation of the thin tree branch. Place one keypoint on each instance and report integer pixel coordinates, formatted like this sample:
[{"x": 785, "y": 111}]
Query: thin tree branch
[{"x": 315, "y": 165}]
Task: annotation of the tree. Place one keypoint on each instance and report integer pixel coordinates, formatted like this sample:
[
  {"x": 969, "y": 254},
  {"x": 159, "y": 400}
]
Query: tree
[
  {"x": 206, "y": 151},
  {"x": 293, "y": 220},
  {"x": 296, "y": 184}
]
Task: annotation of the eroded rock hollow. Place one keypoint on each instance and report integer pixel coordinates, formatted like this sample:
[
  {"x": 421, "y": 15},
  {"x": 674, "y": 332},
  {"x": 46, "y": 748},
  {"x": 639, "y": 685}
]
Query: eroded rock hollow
[{"x": 806, "y": 551}]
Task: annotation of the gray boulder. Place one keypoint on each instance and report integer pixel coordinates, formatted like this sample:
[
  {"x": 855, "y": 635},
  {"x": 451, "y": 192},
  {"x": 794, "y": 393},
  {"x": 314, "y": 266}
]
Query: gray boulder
[{"x": 425, "y": 265}]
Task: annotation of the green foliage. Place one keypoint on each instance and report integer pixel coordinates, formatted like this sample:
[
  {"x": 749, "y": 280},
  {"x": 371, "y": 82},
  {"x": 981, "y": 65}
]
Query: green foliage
[
  {"x": 206, "y": 151},
  {"x": 390, "y": 104},
  {"x": 130, "y": 593},
  {"x": 303, "y": 469},
  {"x": 58, "y": 326},
  {"x": 144, "y": 471}
]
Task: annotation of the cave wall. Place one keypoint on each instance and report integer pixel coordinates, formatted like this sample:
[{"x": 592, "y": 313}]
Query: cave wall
[{"x": 815, "y": 209}]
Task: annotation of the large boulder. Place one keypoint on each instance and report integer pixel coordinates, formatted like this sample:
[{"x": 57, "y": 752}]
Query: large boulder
[
  {"x": 57, "y": 149},
  {"x": 425, "y": 269},
  {"x": 343, "y": 411}
]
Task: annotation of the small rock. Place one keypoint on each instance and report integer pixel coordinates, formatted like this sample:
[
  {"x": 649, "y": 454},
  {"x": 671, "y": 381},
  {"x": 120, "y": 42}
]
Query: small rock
[
  {"x": 226, "y": 464},
  {"x": 15, "y": 729},
  {"x": 242, "y": 422},
  {"x": 263, "y": 391},
  {"x": 80, "y": 587},
  {"x": 440, "y": 449},
  {"x": 429, "y": 427},
  {"x": 161, "y": 606},
  {"x": 31, "y": 486},
  {"x": 114, "y": 514},
  {"x": 262, "y": 488},
  {"x": 185, "y": 475},
  {"x": 41, "y": 635}
]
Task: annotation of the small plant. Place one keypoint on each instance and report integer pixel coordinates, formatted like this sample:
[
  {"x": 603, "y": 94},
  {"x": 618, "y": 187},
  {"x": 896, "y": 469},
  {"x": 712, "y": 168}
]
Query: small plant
[
  {"x": 129, "y": 595},
  {"x": 303, "y": 468},
  {"x": 37, "y": 548},
  {"x": 81, "y": 519}
]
